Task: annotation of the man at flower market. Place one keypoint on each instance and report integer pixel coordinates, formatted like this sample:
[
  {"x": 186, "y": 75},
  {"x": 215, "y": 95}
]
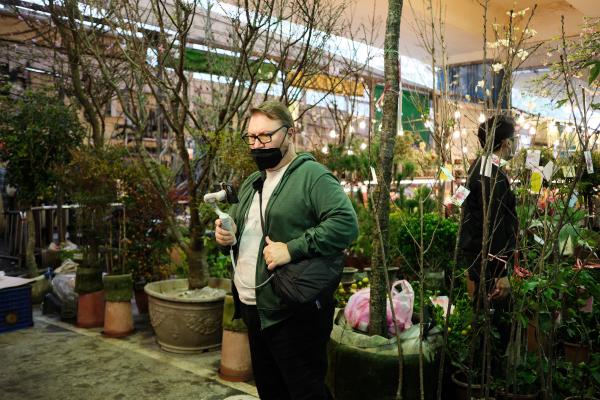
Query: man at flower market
[
  {"x": 290, "y": 210},
  {"x": 490, "y": 192}
]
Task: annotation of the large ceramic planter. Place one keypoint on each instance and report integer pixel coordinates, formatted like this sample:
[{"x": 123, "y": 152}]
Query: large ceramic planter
[
  {"x": 184, "y": 325},
  {"x": 118, "y": 318},
  {"x": 236, "y": 365},
  {"x": 366, "y": 367}
]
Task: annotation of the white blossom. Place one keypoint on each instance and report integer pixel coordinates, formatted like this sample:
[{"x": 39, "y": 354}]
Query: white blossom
[
  {"x": 481, "y": 83},
  {"x": 522, "y": 54},
  {"x": 503, "y": 42},
  {"x": 497, "y": 67},
  {"x": 530, "y": 32}
]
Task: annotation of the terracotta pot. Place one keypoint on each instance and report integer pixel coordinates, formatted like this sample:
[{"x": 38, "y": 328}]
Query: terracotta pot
[
  {"x": 184, "y": 325},
  {"x": 576, "y": 353},
  {"x": 141, "y": 301},
  {"x": 90, "y": 310},
  {"x": 461, "y": 387},
  {"x": 236, "y": 365},
  {"x": 118, "y": 319}
]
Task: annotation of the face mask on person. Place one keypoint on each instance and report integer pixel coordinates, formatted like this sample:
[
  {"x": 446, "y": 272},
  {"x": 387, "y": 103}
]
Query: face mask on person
[{"x": 268, "y": 158}]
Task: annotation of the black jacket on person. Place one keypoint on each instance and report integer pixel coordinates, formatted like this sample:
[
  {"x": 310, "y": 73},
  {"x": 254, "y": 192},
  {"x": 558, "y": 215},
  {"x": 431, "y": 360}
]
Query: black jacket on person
[{"x": 503, "y": 222}]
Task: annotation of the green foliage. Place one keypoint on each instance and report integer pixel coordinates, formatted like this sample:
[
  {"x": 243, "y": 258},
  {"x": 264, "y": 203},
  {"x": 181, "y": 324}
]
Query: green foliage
[
  {"x": 460, "y": 331},
  {"x": 363, "y": 245},
  {"x": 38, "y": 132},
  {"x": 93, "y": 176},
  {"x": 219, "y": 262},
  {"x": 439, "y": 239},
  {"x": 581, "y": 379},
  {"x": 589, "y": 182},
  {"x": 149, "y": 241}
]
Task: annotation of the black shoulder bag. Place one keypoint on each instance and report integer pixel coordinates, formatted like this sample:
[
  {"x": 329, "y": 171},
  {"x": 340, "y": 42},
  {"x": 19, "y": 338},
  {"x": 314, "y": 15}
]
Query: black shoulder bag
[{"x": 307, "y": 280}]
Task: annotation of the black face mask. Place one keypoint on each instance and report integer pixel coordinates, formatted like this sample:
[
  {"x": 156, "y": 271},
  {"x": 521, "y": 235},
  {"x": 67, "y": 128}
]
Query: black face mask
[{"x": 266, "y": 158}]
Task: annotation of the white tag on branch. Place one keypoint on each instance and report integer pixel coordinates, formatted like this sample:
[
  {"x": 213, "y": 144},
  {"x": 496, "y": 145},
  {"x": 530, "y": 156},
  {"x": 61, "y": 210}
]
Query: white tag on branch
[
  {"x": 538, "y": 239},
  {"x": 573, "y": 199},
  {"x": 373, "y": 176},
  {"x": 589, "y": 164},
  {"x": 533, "y": 159},
  {"x": 460, "y": 195},
  {"x": 485, "y": 168},
  {"x": 548, "y": 171}
]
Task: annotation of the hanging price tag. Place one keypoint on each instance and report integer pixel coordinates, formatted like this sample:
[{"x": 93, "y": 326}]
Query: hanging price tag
[
  {"x": 533, "y": 159},
  {"x": 536, "y": 182},
  {"x": 548, "y": 171},
  {"x": 588, "y": 161},
  {"x": 485, "y": 168},
  {"x": 445, "y": 174},
  {"x": 460, "y": 195}
]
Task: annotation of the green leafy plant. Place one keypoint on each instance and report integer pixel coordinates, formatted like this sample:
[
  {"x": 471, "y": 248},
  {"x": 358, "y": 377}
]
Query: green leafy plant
[
  {"x": 439, "y": 238},
  {"x": 38, "y": 132}
]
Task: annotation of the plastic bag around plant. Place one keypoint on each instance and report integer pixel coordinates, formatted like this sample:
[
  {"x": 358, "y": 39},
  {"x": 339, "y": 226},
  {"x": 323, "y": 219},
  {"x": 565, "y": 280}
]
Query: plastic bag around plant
[
  {"x": 63, "y": 286},
  {"x": 357, "y": 309}
]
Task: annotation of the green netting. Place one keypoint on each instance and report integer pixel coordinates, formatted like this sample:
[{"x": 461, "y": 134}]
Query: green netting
[
  {"x": 88, "y": 279},
  {"x": 118, "y": 287}
]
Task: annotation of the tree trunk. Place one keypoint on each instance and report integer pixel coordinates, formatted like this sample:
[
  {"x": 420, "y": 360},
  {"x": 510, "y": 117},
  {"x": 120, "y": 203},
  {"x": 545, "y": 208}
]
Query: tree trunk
[
  {"x": 198, "y": 267},
  {"x": 377, "y": 323},
  {"x": 32, "y": 268}
]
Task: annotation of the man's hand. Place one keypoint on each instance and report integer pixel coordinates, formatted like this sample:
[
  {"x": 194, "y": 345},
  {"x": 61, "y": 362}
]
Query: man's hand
[
  {"x": 276, "y": 254},
  {"x": 223, "y": 237},
  {"x": 501, "y": 290}
]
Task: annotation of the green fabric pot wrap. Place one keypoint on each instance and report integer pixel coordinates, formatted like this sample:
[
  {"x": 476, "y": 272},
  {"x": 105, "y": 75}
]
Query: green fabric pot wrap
[
  {"x": 118, "y": 287},
  {"x": 366, "y": 367},
  {"x": 88, "y": 279},
  {"x": 230, "y": 324}
]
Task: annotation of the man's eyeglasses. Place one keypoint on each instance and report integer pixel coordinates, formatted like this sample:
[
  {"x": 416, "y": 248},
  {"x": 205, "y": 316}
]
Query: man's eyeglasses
[{"x": 263, "y": 138}]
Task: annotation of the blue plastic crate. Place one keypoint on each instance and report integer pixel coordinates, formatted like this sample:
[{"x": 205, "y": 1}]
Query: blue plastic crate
[{"x": 15, "y": 308}]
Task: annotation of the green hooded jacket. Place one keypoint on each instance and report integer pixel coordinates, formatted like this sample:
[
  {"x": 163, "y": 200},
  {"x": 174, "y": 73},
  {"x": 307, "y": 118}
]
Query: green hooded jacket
[{"x": 308, "y": 211}]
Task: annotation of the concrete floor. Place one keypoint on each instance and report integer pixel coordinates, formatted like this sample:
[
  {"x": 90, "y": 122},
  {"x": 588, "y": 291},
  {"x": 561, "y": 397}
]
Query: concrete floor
[{"x": 56, "y": 360}]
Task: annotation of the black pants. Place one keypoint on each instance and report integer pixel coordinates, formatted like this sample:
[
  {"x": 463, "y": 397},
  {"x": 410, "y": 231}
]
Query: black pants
[{"x": 289, "y": 359}]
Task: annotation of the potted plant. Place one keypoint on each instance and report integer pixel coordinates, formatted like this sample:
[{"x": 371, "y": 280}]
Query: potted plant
[
  {"x": 522, "y": 381},
  {"x": 439, "y": 234},
  {"x": 149, "y": 243},
  {"x": 579, "y": 318},
  {"x": 578, "y": 381},
  {"x": 38, "y": 133},
  {"x": 92, "y": 184}
]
